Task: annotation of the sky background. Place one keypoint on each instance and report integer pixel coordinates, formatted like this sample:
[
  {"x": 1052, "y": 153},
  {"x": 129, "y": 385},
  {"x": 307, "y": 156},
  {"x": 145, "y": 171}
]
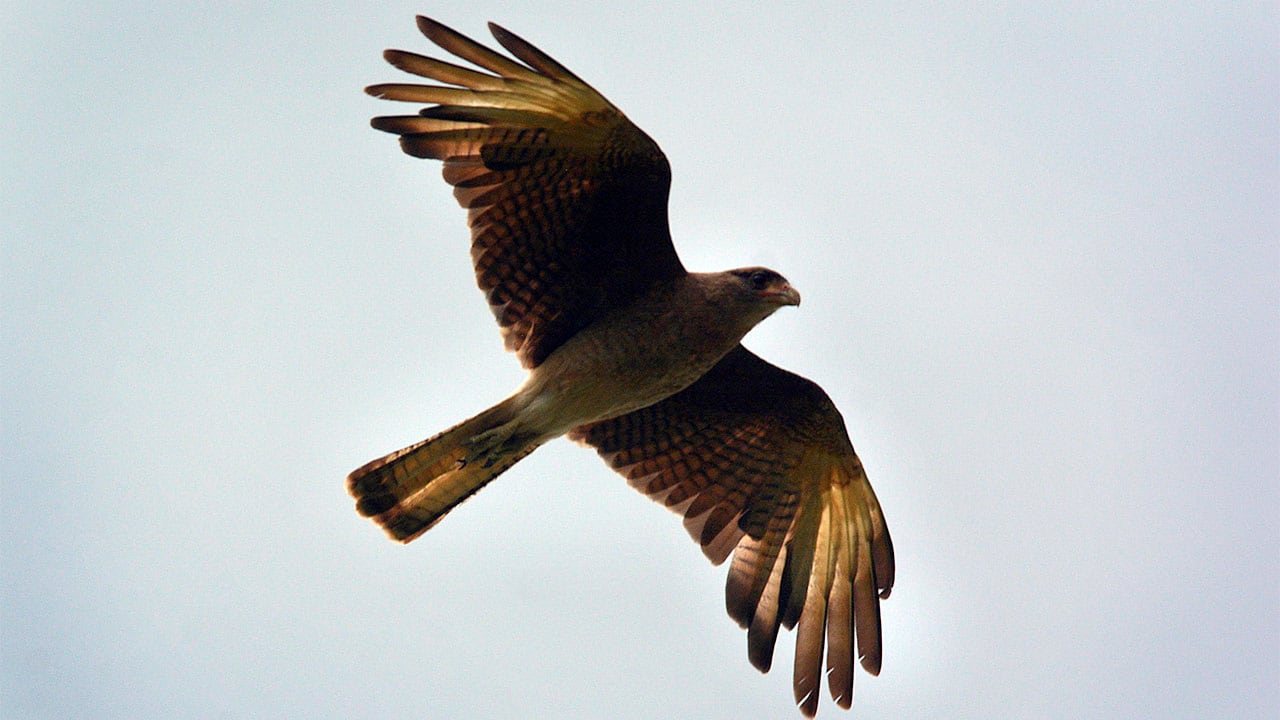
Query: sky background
[{"x": 1040, "y": 254}]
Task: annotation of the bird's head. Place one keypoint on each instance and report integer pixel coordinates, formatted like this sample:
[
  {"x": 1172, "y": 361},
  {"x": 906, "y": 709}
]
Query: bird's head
[
  {"x": 766, "y": 285},
  {"x": 732, "y": 302}
]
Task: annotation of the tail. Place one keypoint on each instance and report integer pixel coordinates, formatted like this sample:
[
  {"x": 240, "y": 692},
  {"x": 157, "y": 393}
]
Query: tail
[{"x": 410, "y": 490}]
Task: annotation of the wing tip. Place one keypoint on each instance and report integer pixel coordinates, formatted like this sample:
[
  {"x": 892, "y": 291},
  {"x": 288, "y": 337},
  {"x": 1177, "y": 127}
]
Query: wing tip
[
  {"x": 761, "y": 660},
  {"x": 808, "y": 704},
  {"x": 430, "y": 27}
]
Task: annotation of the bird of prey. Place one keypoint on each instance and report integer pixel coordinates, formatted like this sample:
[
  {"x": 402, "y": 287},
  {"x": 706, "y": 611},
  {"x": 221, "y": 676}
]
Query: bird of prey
[{"x": 633, "y": 355}]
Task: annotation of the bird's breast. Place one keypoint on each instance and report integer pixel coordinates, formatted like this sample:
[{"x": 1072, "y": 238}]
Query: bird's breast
[{"x": 622, "y": 364}]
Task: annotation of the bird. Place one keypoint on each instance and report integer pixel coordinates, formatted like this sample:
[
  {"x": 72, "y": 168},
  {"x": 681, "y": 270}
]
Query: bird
[{"x": 631, "y": 354}]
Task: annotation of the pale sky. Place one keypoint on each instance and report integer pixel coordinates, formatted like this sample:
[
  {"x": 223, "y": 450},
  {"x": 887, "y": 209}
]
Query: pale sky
[{"x": 1039, "y": 248}]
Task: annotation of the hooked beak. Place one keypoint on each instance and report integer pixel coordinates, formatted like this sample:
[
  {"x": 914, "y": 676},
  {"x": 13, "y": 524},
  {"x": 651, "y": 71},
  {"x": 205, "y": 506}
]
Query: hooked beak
[{"x": 783, "y": 294}]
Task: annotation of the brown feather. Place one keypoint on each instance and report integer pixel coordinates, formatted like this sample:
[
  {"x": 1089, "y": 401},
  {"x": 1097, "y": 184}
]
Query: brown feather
[
  {"x": 754, "y": 452},
  {"x": 427, "y": 67},
  {"x": 472, "y": 51},
  {"x": 573, "y": 222},
  {"x": 762, "y": 633},
  {"x": 810, "y": 629},
  {"x": 531, "y": 55},
  {"x": 865, "y": 601},
  {"x": 754, "y": 564},
  {"x": 840, "y": 623},
  {"x": 408, "y": 491},
  {"x": 406, "y": 92}
]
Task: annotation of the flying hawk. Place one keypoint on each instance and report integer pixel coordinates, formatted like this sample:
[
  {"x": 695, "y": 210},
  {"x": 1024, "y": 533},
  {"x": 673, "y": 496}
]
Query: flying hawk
[{"x": 631, "y": 354}]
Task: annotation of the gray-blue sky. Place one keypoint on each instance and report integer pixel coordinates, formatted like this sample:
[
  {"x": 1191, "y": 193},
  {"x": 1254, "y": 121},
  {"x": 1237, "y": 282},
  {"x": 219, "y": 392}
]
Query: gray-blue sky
[{"x": 1038, "y": 249}]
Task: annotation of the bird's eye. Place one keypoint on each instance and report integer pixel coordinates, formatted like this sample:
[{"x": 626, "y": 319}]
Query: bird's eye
[{"x": 759, "y": 280}]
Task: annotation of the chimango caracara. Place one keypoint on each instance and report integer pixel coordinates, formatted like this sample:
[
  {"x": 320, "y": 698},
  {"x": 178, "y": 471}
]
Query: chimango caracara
[{"x": 631, "y": 354}]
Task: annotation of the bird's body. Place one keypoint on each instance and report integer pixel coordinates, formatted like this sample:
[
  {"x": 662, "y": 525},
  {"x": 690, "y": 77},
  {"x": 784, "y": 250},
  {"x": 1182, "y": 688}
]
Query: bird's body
[
  {"x": 622, "y": 375},
  {"x": 597, "y": 374},
  {"x": 631, "y": 354}
]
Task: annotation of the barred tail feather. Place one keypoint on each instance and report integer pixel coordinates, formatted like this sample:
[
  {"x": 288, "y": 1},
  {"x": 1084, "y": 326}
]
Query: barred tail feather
[{"x": 410, "y": 490}]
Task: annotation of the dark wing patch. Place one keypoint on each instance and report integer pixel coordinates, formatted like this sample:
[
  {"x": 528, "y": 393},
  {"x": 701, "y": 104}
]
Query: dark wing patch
[
  {"x": 759, "y": 463},
  {"x": 566, "y": 198}
]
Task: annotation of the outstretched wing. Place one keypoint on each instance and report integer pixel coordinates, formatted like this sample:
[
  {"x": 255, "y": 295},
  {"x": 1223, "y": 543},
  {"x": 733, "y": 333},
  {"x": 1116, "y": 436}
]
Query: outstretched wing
[
  {"x": 758, "y": 461},
  {"x": 566, "y": 198}
]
